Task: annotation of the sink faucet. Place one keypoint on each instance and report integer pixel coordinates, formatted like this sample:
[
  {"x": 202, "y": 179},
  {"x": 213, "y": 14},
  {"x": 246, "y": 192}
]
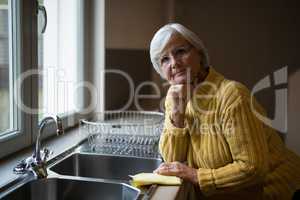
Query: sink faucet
[{"x": 36, "y": 163}]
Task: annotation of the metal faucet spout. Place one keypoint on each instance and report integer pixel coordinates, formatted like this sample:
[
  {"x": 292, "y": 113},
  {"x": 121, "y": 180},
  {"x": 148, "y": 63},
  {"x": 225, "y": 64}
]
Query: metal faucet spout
[
  {"x": 59, "y": 130},
  {"x": 36, "y": 163}
]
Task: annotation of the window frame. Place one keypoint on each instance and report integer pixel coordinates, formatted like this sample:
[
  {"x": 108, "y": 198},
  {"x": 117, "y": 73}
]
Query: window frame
[
  {"x": 26, "y": 58},
  {"x": 70, "y": 119},
  {"x": 22, "y": 31}
]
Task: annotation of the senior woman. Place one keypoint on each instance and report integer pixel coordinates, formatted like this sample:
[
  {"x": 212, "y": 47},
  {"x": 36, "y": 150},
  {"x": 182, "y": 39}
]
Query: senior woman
[{"x": 212, "y": 139}]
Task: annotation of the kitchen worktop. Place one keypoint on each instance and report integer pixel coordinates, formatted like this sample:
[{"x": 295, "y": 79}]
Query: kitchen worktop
[{"x": 165, "y": 193}]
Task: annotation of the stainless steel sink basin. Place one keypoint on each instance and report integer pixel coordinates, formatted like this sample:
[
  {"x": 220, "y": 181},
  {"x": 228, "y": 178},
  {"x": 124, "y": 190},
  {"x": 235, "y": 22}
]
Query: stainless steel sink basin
[
  {"x": 69, "y": 189},
  {"x": 104, "y": 166}
]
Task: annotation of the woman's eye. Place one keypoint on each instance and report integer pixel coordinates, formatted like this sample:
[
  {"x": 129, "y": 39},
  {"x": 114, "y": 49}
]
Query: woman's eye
[
  {"x": 180, "y": 51},
  {"x": 164, "y": 60}
]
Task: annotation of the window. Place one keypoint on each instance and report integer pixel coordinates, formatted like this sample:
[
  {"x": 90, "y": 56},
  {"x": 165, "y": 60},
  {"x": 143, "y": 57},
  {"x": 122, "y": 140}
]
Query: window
[
  {"x": 15, "y": 131},
  {"x": 43, "y": 74},
  {"x": 23, "y": 50},
  {"x": 59, "y": 57},
  {"x": 5, "y": 67}
]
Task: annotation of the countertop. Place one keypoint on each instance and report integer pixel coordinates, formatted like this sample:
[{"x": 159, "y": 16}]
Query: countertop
[{"x": 165, "y": 193}]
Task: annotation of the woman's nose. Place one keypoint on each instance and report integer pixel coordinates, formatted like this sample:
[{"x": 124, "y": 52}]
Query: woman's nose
[{"x": 173, "y": 62}]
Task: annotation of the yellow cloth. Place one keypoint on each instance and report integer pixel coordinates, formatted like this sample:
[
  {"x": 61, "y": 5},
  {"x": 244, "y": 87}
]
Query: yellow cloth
[
  {"x": 234, "y": 151},
  {"x": 151, "y": 178}
]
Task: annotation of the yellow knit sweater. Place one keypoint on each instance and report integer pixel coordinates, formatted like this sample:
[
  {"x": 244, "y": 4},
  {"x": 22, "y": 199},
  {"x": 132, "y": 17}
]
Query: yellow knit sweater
[{"x": 236, "y": 154}]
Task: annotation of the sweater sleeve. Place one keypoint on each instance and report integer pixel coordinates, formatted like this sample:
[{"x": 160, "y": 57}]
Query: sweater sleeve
[
  {"x": 245, "y": 136},
  {"x": 173, "y": 144}
]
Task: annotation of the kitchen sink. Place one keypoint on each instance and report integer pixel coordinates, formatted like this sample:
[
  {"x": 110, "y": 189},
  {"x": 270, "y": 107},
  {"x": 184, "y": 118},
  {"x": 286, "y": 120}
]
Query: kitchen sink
[
  {"x": 72, "y": 189},
  {"x": 104, "y": 166},
  {"x": 80, "y": 175}
]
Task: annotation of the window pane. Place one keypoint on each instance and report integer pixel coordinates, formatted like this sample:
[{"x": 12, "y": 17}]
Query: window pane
[
  {"x": 5, "y": 81},
  {"x": 58, "y": 57}
]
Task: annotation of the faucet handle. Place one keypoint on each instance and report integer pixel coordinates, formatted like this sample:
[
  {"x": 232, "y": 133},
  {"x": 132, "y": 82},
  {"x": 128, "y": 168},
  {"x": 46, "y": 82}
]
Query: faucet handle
[
  {"x": 23, "y": 166},
  {"x": 45, "y": 154},
  {"x": 60, "y": 129}
]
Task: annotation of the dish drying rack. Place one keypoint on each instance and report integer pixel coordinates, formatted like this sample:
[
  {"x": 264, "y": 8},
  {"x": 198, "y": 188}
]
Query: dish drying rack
[{"x": 134, "y": 133}]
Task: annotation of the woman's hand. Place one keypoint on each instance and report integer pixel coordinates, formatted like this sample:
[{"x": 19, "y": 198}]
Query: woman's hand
[
  {"x": 178, "y": 169},
  {"x": 180, "y": 95}
]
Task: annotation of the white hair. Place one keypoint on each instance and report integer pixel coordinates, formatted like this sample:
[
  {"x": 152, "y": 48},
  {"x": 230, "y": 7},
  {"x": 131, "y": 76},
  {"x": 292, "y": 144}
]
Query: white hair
[{"x": 162, "y": 37}]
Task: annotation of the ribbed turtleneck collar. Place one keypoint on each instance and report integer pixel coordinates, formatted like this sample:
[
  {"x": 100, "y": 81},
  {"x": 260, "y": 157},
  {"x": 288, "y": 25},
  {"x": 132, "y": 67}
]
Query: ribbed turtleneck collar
[
  {"x": 206, "y": 90},
  {"x": 211, "y": 83}
]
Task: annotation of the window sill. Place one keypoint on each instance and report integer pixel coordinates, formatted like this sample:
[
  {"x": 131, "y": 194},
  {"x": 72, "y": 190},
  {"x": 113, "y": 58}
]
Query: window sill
[{"x": 57, "y": 144}]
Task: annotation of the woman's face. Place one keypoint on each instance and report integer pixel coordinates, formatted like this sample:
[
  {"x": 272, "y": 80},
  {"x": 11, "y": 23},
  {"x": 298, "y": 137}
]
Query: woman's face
[{"x": 180, "y": 61}]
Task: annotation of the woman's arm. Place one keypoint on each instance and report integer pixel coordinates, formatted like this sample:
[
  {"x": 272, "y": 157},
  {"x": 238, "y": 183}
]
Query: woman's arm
[
  {"x": 174, "y": 140},
  {"x": 246, "y": 139}
]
